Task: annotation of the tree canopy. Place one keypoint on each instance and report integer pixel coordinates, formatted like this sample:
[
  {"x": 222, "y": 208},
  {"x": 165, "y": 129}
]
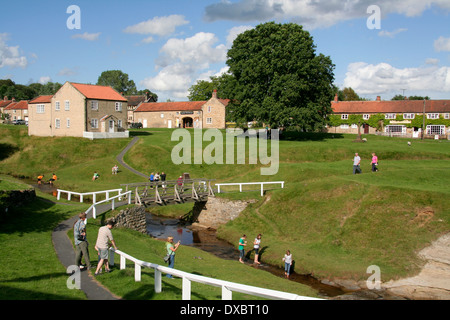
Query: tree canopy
[
  {"x": 279, "y": 78},
  {"x": 117, "y": 80}
]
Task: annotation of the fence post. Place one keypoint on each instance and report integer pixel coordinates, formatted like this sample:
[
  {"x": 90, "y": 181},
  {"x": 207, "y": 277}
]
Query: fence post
[
  {"x": 111, "y": 258},
  {"x": 69, "y": 195},
  {"x": 137, "y": 272},
  {"x": 81, "y": 197},
  {"x": 186, "y": 293},
  {"x": 129, "y": 197},
  {"x": 262, "y": 189},
  {"x": 94, "y": 197},
  {"x": 59, "y": 195},
  {"x": 113, "y": 206},
  {"x": 123, "y": 262},
  {"x": 226, "y": 293},
  {"x": 218, "y": 188},
  {"x": 94, "y": 212},
  {"x": 158, "y": 277}
]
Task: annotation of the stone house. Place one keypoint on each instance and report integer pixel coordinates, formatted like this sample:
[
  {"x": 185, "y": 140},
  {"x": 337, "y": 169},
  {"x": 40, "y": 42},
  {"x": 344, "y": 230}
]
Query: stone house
[
  {"x": 80, "y": 110},
  {"x": 17, "y": 110},
  {"x": 189, "y": 114},
  {"x": 133, "y": 103},
  {"x": 4, "y": 103},
  {"x": 400, "y": 115}
]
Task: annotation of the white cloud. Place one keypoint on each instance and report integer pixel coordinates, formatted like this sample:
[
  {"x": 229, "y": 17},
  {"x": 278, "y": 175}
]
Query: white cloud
[
  {"x": 314, "y": 14},
  {"x": 87, "y": 36},
  {"x": 183, "y": 61},
  {"x": 368, "y": 79},
  {"x": 44, "y": 79},
  {"x": 68, "y": 72},
  {"x": 10, "y": 56},
  {"x": 442, "y": 44},
  {"x": 391, "y": 34},
  {"x": 161, "y": 26},
  {"x": 234, "y": 32}
]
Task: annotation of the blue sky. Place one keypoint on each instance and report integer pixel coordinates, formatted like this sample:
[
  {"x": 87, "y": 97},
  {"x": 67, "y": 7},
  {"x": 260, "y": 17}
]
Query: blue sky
[{"x": 166, "y": 46}]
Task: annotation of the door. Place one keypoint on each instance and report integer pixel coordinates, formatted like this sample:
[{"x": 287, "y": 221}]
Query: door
[
  {"x": 169, "y": 124},
  {"x": 144, "y": 124},
  {"x": 111, "y": 126}
]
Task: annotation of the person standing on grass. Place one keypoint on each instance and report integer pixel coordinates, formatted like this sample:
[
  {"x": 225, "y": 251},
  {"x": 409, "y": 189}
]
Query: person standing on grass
[
  {"x": 287, "y": 264},
  {"x": 171, "y": 249},
  {"x": 103, "y": 238},
  {"x": 81, "y": 243},
  {"x": 256, "y": 246},
  {"x": 242, "y": 244},
  {"x": 374, "y": 162},
  {"x": 356, "y": 164}
]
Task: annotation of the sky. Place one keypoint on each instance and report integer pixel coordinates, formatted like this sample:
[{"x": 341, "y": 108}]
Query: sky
[{"x": 379, "y": 47}]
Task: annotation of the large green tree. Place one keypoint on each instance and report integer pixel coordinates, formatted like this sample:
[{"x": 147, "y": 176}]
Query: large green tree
[
  {"x": 117, "y": 80},
  {"x": 279, "y": 78}
]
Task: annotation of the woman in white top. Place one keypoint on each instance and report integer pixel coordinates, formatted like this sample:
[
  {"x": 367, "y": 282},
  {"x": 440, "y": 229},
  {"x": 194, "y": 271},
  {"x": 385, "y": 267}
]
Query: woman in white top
[
  {"x": 287, "y": 263},
  {"x": 256, "y": 245}
]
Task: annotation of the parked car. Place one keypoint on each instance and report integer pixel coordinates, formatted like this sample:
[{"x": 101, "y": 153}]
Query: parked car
[
  {"x": 136, "y": 125},
  {"x": 19, "y": 122}
]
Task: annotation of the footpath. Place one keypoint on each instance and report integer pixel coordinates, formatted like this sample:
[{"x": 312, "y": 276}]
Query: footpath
[{"x": 65, "y": 251}]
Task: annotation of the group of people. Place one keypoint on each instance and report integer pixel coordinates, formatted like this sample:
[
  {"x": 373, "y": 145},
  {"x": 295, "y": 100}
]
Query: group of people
[
  {"x": 357, "y": 163},
  {"x": 256, "y": 246},
  {"x": 51, "y": 180},
  {"x": 104, "y": 237},
  {"x": 155, "y": 177}
]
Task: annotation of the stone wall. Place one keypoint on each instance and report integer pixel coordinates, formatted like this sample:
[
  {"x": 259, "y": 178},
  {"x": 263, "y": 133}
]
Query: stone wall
[{"x": 132, "y": 218}]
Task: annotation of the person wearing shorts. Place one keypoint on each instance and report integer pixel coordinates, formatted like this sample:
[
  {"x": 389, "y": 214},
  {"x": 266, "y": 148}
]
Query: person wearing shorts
[
  {"x": 242, "y": 244},
  {"x": 103, "y": 238},
  {"x": 256, "y": 246}
]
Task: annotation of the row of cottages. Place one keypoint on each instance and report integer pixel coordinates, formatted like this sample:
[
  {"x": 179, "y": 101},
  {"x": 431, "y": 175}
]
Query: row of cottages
[
  {"x": 79, "y": 110},
  {"x": 16, "y": 110},
  {"x": 190, "y": 114},
  {"x": 401, "y": 117}
]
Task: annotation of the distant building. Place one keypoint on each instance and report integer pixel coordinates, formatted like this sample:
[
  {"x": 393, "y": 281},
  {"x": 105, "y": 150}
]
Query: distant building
[
  {"x": 188, "y": 114},
  {"x": 17, "y": 110},
  {"x": 79, "y": 110},
  {"x": 133, "y": 102},
  {"x": 400, "y": 113}
]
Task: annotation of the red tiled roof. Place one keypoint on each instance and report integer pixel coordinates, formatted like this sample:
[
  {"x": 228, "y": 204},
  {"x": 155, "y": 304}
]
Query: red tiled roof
[
  {"x": 399, "y": 106},
  {"x": 98, "y": 92},
  {"x": 170, "y": 106},
  {"x": 4, "y": 103},
  {"x": 22, "y": 105},
  {"x": 41, "y": 99}
]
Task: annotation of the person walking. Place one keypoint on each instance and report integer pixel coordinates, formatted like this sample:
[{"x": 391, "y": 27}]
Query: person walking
[
  {"x": 287, "y": 263},
  {"x": 81, "y": 243},
  {"x": 171, "y": 249},
  {"x": 256, "y": 246},
  {"x": 356, "y": 164},
  {"x": 374, "y": 162},
  {"x": 103, "y": 239},
  {"x": 242, "y": 244}
]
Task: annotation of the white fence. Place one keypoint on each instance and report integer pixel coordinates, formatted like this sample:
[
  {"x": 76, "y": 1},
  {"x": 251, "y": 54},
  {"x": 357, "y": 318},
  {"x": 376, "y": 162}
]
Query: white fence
[
  {"x": 187, "y": 278},
  {"x": 240, "y": 184},
  {"x": 81, "y": 195},
  {"x": 113, "y": 206}
]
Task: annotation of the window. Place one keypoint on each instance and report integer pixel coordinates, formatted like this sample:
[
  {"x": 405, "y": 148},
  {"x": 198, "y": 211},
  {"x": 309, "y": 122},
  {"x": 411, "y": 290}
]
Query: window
[
  {"x": 396, "y": 130},
  {"x": 57, "y": 123},
  {"x": 119, "y": 106},
  {"x": 57, "y": 106},
  {"x": 68, "y": 123},
  {"x": 366, "y": 116},
  {"x": 409, "y": 116},
  {"x": 209, "y": 120},
  {"x": 390, "y": 116},
  {"x": 354, "y": 126},
  {"x": 119, "y": 123},
  {"x": 432, "y": 115},
  {"x": 94, "y": 123},
  {"x": 209, "y": 108},
  {"x": 94, "y": 105},
  {"x": 162, "y": 115},
  {"x": 67, "y": 105},
  {"x": 433, "y": 130},
  {"x": 344, "y": 126},
  {"x": 447, "y": 116},
  {"x": 40, "y": 108},
  {"x": 344, "y": 117}
]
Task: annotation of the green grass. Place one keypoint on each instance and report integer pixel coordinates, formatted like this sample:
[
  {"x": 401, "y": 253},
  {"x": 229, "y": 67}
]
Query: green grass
[{"x": 336, "y": 224}]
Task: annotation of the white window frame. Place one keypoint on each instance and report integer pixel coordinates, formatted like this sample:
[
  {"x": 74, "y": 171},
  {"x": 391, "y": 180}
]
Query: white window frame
[
  {"x": 432, "y": 116},
  {"x": 119, "y": 123},
  {"x": 208, "y": 120},
  {"x": 409, "y": 116},
  {"x": 94, "y": 105},
  {"x": 354, "y": 126},
  {"x": 345, "y": 126},
  {"x": 366, "y": 116},
  {"x": 209, "y": 108},
  {"x": 67, "y": 105},
  {"x": 344, "y": 117},
  {"x": 40, "y": 108},
  {"x": 390, "y": 116},
  {"x": 68, "y": 123},
  {"x": 119, "y": 106},
  {"x": 57, "y": 106},
  {"x": 447, "y": 116},
  {"x": 94, "y": 123},
  {"x": 432, "y": 130},
  {"x": 57, "y": 123}
]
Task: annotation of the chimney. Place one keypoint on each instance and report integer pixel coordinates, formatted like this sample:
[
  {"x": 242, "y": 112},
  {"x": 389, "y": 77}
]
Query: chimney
[
  {"x": 378, "y": 98},
  {"x": 336, "y": 98},
  {"x": 214, "y": 95},
  {"x": 5, "y": 98}
]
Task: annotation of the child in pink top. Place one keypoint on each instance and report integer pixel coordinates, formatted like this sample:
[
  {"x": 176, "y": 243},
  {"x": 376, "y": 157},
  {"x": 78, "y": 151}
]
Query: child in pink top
[{"x": 374, "y": 162}]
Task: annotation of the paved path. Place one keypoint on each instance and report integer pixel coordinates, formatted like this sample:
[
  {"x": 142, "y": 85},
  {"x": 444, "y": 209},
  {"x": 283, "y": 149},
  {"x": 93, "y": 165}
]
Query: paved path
[{"x": 65, "y": 251}]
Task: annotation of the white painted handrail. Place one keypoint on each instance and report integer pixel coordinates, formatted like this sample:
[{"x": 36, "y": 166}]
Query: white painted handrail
[
  {"x": 81, "y": 195},
  {"x": 240, "y": 184},
  {"x": 119, "y": 196},
  {"x": 227, "y": 286}
]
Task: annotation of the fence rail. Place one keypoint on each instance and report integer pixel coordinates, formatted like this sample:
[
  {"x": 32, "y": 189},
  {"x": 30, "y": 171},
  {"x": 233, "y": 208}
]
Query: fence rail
[
  {"x": 240, "y": 184},
  {"x": 113, "y": 205},
  {"x": 81, "y": 195},
  {"x": 227, "y": 287}
]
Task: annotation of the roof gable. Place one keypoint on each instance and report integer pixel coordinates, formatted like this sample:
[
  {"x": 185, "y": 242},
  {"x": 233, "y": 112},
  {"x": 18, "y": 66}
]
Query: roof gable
[{"x": 96, "y": 92}]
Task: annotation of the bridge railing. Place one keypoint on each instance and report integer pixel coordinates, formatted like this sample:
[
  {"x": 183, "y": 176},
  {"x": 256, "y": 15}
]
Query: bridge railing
[
  {"x": 227, "y": 287},
  {"x": 240, "y": 184}
]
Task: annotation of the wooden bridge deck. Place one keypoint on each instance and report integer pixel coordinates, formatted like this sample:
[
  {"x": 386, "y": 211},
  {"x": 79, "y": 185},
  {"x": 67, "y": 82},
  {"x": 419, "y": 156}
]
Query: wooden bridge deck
[{"x": 170, "y": 192}]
